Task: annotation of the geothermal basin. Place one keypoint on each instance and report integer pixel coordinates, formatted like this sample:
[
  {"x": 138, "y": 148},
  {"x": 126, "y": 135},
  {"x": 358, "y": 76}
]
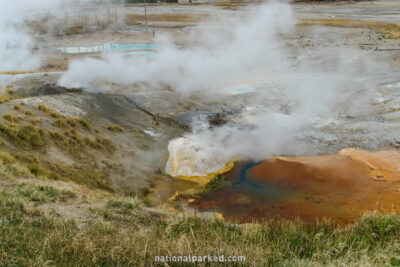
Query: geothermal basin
[{"x": 341, "y": 187}]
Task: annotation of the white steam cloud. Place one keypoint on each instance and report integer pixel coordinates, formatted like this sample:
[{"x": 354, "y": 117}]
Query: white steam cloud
[
  {"x": 305, "y": 89},
  {"x": 16, "y": 43},
  {"x": 205, "y": 65},
  {"x": 18, "y": 48}
]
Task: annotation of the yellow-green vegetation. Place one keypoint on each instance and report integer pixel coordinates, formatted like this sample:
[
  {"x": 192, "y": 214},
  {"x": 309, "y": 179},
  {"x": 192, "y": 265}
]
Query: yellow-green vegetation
[
  {"x": 10, "y": 117},
  {"x": 124, "y": 232},
  {"x": 30, "y": 138},
  {"x": 115, "y": 128},
  {"x": 27, "y": 136},
  {"x": 43, "y": 108},
  {"x": 10, "y": 168},
  {"x": 34, "y": 120},
  {"x": 83, "y": 122},
  {"x": 9, "y": 89},
  {"x": 71, "y": 141},
  {"x": 57, "y": 136},
  {"x": 16, "y": 72},
  {"x": 85, "y": 175},
  {"x": 99, "y": 143},
  {"x": 42, "y": 193},
  {"x": 28, "y": 112},
  {"x": 62, "y": 121},
  {"x": 133, "y": 19},
  {"x": 28, "y": 164}
]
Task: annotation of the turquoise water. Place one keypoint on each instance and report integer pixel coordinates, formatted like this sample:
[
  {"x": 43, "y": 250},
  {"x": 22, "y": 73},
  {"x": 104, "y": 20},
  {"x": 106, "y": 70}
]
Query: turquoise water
[{"x": 110, "y": 47}]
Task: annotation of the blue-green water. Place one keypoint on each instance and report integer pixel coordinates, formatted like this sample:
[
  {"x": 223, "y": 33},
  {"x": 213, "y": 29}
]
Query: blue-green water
[{"x": 111, "y": 47}]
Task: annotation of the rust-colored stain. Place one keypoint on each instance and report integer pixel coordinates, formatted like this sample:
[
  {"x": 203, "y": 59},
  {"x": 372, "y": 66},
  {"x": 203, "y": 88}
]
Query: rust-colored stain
[{"x": 341, "y": 187}]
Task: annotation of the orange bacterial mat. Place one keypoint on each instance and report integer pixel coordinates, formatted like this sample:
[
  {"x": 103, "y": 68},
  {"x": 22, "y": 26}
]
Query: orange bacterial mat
[{"x": 341, "y": 187}]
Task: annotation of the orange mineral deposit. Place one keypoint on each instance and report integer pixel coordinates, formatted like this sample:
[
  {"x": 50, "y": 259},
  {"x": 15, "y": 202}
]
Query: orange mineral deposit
[{"x": 341, "y": 187}]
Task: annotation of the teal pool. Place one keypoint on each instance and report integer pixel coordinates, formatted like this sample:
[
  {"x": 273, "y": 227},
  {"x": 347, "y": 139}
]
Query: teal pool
[{"x": 111, "y": 47}]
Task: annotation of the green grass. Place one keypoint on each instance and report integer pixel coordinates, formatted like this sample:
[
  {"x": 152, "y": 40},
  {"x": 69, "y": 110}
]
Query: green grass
[
  {"x": 23, "y": 135},
  {"x": 84, "y": 175},
  {"x": 43, "y": 193},
  {"x": 127, "y": 233}
]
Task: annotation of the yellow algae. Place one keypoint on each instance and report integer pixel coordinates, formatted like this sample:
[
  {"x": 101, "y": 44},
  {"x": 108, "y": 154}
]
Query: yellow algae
[
  {"x": 207, "y": 178},
  {"x": 187, "y": 162}
]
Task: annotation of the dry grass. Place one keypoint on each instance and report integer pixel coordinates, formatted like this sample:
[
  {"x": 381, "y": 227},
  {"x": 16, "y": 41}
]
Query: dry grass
[
  {"x": 115, "y": 128},
  {"x": 23, "y": 136},
  {"x": 132, "y": 19},
  {"x": 4, "y": 98},
  {"x": 10, "y": 117},
  {"x": 28, "y": 113},
  {"x": 34, "y": 120},
  {"x": 391, "y": 30},
  {"x": 228, "y": 4},
  {"x": 124, "y": 232},
  {"x": 17, "y": 72},
  {"x": 83, "y": 122},
  {"x": 43, "y": 108},
  {"x": 57, "y": 136},
  {"x": 62, "y": 121}
]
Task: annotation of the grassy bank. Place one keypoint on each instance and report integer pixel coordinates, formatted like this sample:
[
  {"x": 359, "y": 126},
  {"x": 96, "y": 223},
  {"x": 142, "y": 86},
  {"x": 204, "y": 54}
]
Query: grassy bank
[{"x": 123, "y": 231}]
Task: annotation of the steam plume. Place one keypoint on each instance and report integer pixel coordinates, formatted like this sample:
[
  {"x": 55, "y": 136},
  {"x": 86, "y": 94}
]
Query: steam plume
[{"x": 305, "y": 89}]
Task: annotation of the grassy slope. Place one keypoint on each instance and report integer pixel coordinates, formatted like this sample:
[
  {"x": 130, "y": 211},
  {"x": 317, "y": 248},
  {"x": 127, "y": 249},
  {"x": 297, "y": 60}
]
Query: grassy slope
[{"x": 123, "y": 231}]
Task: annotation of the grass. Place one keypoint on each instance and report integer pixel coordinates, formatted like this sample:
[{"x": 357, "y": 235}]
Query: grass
[
  {"x": 62, "y": 121},
  {"x": 81, "y": 174},
  {"x": 57, "y": 136},
  {"x": 10, "y": 117},
  {"x": 115, "y": 128},
  {"x": 127, "y": 233},
  {"x": 10, "y": 167},
  {"x": 27, "y": 136},
  {"x": 132, "y": 19},
  {"x": 29, "y": 165},
  {"x": 44, "y": 108},
  {"x": 34, "y": 120},
  {"x": 391, "y": 30},
  {"x": 16, "y": 72},
  {"x": 70, "y": 141},
  {"x": 100, "y": 143},
  {"x": 28, "y": 113},
  {"x": 43, "y": 193},
  {"x": 83, "y": 122}
]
